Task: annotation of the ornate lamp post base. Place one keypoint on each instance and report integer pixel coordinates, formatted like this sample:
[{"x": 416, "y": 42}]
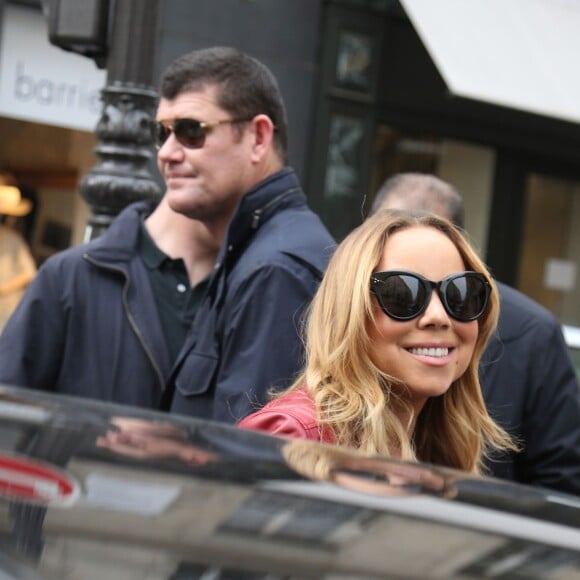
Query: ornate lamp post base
[
  {"x": 121, "y": 36},
  {"x": 121, "y": 175}
]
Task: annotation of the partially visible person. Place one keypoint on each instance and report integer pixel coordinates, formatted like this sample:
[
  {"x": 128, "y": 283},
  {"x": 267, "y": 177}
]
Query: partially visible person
[
  {"x": 106, "y": 320},
  {"x": 222, "y": 136},
  {"x": 393, "y": 343},
  {"x": 528, "y": 378},
  {"x": 17, "y": 266},
  {"x": 24, "y": 223}
]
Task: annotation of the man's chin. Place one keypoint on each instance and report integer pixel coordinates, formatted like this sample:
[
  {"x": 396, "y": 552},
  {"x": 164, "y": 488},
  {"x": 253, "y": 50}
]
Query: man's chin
[{"x": 181, "y": 203}]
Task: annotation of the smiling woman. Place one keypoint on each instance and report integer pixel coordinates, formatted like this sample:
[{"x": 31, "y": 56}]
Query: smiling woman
[{"x": 393, "y": 340}]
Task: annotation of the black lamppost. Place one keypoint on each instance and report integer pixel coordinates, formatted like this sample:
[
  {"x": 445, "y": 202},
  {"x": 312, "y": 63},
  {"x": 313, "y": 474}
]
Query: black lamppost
[{"x": 119, "y": 35}]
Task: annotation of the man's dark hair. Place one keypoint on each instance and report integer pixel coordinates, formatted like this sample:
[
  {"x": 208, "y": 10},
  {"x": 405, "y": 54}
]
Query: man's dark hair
[
  {"x": 422, "y": 192},
  {"x": 245, "y": 86}
]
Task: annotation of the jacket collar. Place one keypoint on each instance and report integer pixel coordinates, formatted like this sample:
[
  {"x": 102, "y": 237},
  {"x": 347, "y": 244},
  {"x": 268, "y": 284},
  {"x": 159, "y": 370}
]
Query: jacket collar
[
  {"x": 120, "y": 242},
  {"x": 281, "y": 189}
]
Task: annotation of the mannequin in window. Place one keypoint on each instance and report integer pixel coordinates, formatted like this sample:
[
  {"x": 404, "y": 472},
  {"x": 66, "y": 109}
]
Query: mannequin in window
[{"x": 17, "y": 266}]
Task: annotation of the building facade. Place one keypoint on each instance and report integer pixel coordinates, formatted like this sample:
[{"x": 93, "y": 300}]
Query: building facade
[{"x": 368, "y": 95}]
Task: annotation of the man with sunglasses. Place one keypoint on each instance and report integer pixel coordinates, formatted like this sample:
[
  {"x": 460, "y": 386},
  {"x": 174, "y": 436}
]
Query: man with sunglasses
[
  {"x": 528, "y": 379},
  {"x": 221, "y": 134}
]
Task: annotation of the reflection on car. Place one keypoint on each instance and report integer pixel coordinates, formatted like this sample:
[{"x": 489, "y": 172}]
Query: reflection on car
[{"x": 95, "y": 490}]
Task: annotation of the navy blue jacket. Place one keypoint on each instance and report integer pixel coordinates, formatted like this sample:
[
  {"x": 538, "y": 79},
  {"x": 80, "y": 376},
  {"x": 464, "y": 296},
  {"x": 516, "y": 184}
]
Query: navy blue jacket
[
  {"x": 245, "y": 338},
  {"x": 530, "y": 388},
  {"x": 88, "y": 324}
]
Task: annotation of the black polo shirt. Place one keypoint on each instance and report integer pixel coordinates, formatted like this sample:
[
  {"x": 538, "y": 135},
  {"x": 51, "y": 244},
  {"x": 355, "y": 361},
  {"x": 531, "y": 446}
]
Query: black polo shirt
[{"x": 176, "y": 301}]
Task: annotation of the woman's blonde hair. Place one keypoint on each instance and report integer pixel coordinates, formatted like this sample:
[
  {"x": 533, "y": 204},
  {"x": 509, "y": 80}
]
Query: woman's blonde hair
[{"x": 357, "y": 401}]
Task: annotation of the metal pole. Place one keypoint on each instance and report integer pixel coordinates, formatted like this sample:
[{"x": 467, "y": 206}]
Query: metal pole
[{"x": 121, "y": 175}]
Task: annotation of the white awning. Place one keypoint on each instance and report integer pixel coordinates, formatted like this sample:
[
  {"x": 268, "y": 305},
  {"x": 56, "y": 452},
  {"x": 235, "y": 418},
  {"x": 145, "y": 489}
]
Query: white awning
[{"x": 521, "y": 54}]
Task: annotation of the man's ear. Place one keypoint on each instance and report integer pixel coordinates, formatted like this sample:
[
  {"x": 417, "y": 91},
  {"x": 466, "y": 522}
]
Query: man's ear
[{"x": 263, "y": 133}]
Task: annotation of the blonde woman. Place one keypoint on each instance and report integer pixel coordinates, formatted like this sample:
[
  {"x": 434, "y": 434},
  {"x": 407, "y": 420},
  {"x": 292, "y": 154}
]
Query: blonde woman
[{"x": 393, "y": 342}]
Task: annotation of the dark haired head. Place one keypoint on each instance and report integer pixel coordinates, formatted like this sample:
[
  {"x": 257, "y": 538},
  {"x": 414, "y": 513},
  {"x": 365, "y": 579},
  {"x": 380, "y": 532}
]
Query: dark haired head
[{"x": 245, "y": 86}]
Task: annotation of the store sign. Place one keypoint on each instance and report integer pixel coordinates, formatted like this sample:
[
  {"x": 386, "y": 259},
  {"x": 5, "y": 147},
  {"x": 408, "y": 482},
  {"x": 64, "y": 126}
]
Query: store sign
[{"x": 42, "y": 83}]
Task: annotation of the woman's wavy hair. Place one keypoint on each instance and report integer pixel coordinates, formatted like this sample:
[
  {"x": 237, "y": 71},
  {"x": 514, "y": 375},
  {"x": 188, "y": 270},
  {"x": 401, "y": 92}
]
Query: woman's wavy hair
[{"x": 354, "y": 398}]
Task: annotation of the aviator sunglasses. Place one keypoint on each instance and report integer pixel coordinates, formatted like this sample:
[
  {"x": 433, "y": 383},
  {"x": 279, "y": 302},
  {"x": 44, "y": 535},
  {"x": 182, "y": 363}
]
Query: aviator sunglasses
[
  {"x": 190, "y": 133},
  {"x": 405, "y": 295}
]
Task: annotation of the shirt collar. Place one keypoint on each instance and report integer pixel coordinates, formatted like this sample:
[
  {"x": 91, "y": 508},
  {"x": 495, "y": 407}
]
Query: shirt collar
[{"x": 152, "y": 256}]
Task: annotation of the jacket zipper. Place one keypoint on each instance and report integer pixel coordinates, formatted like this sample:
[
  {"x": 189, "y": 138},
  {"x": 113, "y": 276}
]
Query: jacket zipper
[
  {"x": 257, "y": 215},
  {"x": 130, "y": 316}
]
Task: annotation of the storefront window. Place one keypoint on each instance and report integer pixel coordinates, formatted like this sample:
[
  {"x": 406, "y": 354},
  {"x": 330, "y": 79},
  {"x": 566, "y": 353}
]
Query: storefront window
[
  {"x": 342, "y": 191},
  {"x": 354, "y": 59},
  {"x": 549, "y": 263}
]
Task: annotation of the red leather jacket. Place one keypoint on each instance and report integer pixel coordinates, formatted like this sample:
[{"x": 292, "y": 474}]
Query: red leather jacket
[{"x": 292, "y": 415}]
